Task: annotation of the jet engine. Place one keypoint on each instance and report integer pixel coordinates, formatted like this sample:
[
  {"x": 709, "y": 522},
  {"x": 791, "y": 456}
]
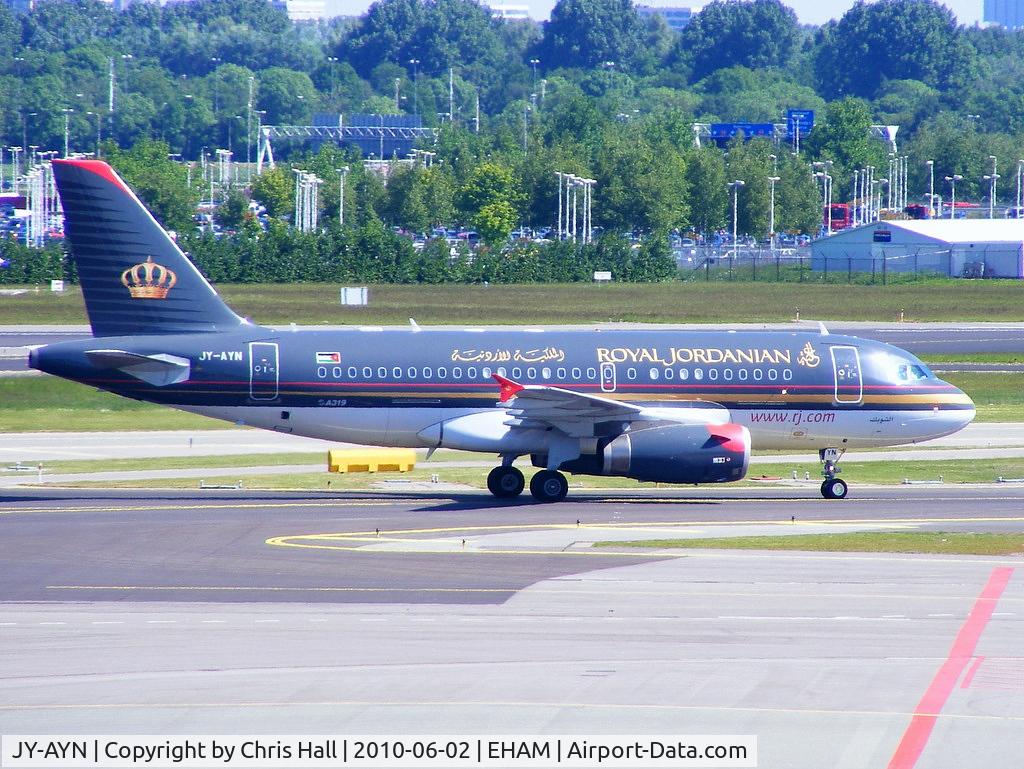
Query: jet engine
[{"x": 671, "y": 454}]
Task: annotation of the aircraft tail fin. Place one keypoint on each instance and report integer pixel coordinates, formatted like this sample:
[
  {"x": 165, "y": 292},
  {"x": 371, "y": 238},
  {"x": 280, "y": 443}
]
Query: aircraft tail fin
[{"x": 134, "y": 278}]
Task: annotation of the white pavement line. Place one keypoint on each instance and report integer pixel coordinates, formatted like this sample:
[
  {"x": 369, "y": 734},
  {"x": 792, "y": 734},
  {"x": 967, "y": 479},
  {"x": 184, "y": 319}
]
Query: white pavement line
[
  {"x": 940, "y": 615},
  {"x": 213, "y": 621},
  {"x": 266, "y": 620},
  {"x": 7, "y": 624},
  {"x": 318, "y": 619},
  {"x": 161, "y": 621}
]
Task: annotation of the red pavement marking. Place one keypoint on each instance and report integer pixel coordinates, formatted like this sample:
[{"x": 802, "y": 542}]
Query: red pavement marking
[
  {"x": 966, "y": 683},
  {"x": 915, "y": 738}
]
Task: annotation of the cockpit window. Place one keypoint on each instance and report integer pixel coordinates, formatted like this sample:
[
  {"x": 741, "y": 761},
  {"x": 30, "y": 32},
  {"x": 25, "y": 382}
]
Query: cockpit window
[{"x": 912, "y": 372}]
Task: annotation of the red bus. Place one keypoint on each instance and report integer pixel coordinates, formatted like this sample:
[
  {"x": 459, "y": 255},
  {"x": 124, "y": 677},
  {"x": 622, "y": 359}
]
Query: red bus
[{"x": 841, "y": 215}]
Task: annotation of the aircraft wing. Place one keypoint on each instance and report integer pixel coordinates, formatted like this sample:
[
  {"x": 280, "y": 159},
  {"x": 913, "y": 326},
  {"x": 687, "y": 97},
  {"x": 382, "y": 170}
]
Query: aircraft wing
[
  {"x": 158, "y": 370},
  {"x": 577, "y": 414}
]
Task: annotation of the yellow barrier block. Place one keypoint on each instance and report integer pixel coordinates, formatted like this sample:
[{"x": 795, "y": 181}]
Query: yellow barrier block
[{"x": 370, "y": 460}]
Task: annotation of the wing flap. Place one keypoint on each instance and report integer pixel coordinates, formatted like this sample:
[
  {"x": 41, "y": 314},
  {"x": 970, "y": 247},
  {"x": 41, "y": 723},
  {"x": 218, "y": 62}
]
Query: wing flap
[{"x": 577, "y": 414}]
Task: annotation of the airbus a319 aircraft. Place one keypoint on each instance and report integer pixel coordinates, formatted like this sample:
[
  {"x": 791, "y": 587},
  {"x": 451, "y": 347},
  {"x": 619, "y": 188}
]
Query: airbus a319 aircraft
[{"x": 655, "y": 405}]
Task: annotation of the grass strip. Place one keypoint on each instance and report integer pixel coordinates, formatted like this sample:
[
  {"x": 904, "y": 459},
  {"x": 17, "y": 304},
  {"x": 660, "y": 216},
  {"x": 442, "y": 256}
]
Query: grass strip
[
  {"x": 675, "y": 302},
  {"x": 934, "y": 542}
]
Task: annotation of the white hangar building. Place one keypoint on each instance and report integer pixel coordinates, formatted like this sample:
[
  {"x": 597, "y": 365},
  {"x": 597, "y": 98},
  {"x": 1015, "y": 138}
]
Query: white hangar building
[{"x": 967, "y": 248}]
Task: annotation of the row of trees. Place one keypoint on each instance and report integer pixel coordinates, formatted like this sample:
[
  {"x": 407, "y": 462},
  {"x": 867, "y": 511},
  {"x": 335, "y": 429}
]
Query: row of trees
[
  {"x": 184, "y": 72},
  {"x": 371, "y": 253}
]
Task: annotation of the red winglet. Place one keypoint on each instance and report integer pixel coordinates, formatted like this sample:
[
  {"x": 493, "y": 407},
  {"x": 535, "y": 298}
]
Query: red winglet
[{"x": 508, "y": 387}]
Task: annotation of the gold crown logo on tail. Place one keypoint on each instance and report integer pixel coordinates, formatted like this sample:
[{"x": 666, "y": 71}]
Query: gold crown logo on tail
[{"x": 148, "y": 280}]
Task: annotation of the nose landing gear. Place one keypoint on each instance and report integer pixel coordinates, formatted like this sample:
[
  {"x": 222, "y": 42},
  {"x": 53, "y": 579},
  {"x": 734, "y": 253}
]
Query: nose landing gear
[{"x": 832, "y": 487}]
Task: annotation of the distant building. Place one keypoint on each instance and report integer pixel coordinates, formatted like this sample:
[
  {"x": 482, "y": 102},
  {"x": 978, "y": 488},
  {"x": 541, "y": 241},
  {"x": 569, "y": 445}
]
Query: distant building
[
  {"x": 302, "y": 10},
  {"x": 967, "y": 248},
  {"x": 509, "y": 11},
  {"x": 676, "y": 17},
  {"x": 1006, "y": 13}
]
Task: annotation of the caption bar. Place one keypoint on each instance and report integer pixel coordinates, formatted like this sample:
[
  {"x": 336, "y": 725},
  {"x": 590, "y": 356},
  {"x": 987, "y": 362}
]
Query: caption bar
[{"x": 378, "y": 752}]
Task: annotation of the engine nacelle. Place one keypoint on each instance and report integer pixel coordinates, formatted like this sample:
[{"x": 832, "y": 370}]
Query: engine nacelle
[{"x": 671, "y": 454}]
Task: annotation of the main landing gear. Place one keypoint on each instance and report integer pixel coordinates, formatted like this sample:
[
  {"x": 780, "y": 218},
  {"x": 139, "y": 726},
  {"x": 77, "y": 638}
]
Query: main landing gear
[
  {"x": 832, "y": 487},
  {"x": 506, "y": 482},
  {"x": 549, "y": 486}
]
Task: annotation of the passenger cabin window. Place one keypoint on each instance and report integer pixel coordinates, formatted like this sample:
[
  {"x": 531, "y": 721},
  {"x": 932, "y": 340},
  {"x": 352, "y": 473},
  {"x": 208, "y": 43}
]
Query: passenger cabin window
[
  {"x": 591, "y": 373},
  {"x": 577, "y": 373}
]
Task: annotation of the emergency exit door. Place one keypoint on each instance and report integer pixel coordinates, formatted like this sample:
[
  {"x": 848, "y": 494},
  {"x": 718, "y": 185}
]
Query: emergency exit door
[
  {"x": 263, "y": 371},
  {"x": 846, "y": 368}
]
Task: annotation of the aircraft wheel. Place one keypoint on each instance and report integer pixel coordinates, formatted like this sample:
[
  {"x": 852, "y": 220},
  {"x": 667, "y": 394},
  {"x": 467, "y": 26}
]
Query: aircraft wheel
[
  {"x": 834, "y": 488},
  {"x": 549, "y": 486},
  {"x": 505, "y": 482}
]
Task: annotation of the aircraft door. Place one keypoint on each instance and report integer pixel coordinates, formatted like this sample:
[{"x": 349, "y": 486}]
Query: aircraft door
[
  {"x": 848, "y": 381},
  {"x": 263, "y": 371},
  {"x": 607, "y": 377}
]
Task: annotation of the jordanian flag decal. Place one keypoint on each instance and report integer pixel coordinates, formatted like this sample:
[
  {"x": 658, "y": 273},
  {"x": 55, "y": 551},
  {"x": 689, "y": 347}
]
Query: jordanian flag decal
[{"x": 328, "y": 357}]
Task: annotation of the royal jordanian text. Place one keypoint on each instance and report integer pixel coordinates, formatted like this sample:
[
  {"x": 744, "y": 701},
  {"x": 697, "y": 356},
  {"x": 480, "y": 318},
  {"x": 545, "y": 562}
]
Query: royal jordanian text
[{"x": 385, "y": 752}]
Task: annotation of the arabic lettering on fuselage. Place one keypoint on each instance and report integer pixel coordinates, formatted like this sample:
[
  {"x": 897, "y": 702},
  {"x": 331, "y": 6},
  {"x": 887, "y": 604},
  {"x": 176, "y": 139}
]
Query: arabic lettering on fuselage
[
  {"x": 673, "y": 356},
  {"x": 540, "y": 355}
]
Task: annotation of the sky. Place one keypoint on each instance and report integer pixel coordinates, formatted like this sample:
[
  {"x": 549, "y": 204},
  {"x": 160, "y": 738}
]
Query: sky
[{"x": 808, "y": 11}]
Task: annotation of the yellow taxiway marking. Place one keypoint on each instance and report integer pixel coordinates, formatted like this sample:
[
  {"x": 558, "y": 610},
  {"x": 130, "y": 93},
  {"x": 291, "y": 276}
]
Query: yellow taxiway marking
[
  {"x": 356, "y": 541},
  {"x": 505, "y": 704}
]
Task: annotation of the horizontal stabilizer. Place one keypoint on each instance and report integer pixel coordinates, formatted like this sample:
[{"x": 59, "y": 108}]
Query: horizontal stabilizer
[{"x": 158, "y": 370}]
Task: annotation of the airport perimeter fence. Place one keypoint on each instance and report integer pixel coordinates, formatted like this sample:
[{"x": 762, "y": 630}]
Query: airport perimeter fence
[{"x": 799, "y": 266}]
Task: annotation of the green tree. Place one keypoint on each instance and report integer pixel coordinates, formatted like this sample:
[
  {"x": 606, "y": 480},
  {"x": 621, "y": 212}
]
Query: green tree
[
  {"x": 726, "y": 33},
  {"x": 161, "y": 183},
  {"x": 494, "y": 221},
  {"x": 232, "y": 212},
  {"x": 844, "y": 137},
  {"x": 709, "y": 200},
  {"x": 890, "y": 40},
  {"x": 798, "y": 204},
  {"x": 275, "y": 189},
  {"x": 591, "y": 33},
  {"x": 490, "y": 183}
]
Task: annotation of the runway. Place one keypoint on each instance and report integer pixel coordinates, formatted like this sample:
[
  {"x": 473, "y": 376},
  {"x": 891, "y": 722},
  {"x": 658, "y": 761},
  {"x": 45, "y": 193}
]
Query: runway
[{"x": 285, "y": 613}]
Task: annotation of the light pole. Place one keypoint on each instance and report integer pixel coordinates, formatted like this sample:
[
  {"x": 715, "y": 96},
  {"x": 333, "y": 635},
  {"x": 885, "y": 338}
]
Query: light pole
[
  {"x": 888, "y": 189},
  {"x": 415, "y": 86},
  {"x": 735, "y": 187},
  {"x": 771, "y": 212},
  {"x": 559, "y": 174},
  {"x": 931, "y": 189},
  {"x": 1020, "y": 165},
  {"x": 992, "y": 188},
  {"x": 67, "y": 124},
  {"x": 534, "y": 63},
  {"x": 398, "y": 95},
  {"x": 99, "y": 119},
  {"x": 248, "y": 125},
  {"x": 952, "y": 195},
  {"x": 342, "y": 173}
]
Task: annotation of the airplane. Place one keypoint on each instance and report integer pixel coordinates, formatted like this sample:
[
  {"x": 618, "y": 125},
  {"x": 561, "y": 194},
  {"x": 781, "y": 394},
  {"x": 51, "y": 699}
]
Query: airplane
[{"x": 672, "y": 406}]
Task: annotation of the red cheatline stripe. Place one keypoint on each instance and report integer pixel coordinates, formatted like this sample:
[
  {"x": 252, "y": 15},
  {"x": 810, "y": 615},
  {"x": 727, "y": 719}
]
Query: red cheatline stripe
[{"x": 915, "y": 738}]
